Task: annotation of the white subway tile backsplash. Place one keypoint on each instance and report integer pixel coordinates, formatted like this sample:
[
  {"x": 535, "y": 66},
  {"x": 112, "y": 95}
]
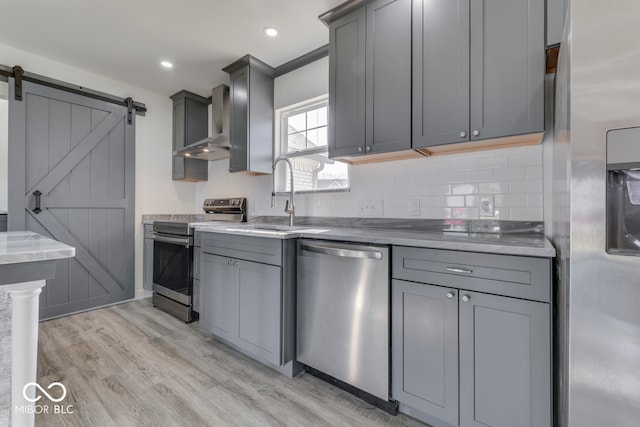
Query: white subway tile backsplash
[
  {"x": 437, "y": 213},
  {"x": 524, "y": 158},
  {"x": 493, "y": 162},
  {"x": 509, "y": 174},
  {"x": 526, "y": 214},
  {"x": 463, "y": 189},
  {"x": 447, "y": 187},
  {"x": 464, "y": 164},
  {"x": 452, "y": 177},
  {"x": 534, "y": 172},
  {"x": 479, "y": 175},
  {"x": 451, "y": 201},
  {"x": 438, "y": 189},
  {"x": 534, "y": 199},
  {"x": 437, "y": 165},
  {"x": 429, "y": 202},
  {"x": 510, "y": 200},
  {"x": 465, "y": 213},
  {"x": 528, "y": 186},
  {"x": 493, "y": 187}
]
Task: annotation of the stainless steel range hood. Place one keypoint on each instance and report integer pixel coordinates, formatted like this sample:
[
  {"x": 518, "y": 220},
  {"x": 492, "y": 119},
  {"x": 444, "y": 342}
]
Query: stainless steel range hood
[{"x": 216, "y": 146}]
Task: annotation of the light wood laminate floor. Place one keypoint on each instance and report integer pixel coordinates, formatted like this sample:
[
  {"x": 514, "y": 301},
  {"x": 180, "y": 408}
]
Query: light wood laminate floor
[{"x": 134, "y": 365}]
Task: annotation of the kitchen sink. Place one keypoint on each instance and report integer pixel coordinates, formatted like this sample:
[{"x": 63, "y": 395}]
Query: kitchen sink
[{"x": 274, "y": 229}]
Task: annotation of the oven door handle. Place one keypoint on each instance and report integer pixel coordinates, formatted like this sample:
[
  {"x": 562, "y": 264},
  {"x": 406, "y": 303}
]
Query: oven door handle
[{"x": 185, "y": 241}]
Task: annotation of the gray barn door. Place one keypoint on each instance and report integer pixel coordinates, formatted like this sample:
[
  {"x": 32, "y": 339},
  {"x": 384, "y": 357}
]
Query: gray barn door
[{"x": 79, "y": 153}]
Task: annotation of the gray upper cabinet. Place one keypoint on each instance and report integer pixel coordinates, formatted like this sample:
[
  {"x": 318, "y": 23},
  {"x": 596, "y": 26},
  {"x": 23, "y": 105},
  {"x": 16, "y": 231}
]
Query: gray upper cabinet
[
  {"x": 556, "y": 10},
  {"x": 505, "y": 364},
  {"x": 251, "y": 121},
  {"x": 190, "y": 124},
  {"x": 370, "y": 80},
  {"x": 440, "y": 72},
  {"x": 347, "y": 85},
  {"x": 478, "y": 70}
]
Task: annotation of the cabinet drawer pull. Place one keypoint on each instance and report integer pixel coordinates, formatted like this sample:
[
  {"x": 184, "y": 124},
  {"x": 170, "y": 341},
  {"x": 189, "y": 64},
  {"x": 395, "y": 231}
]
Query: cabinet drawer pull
[
  {"x": 459, "y": 270},
  {"x": 450, "y": 295},
  {"x": 466, "y": 298}
]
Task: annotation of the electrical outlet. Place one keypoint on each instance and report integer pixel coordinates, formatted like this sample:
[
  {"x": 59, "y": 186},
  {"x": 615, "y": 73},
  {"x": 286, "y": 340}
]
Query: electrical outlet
[
  {"x": 414, "y": 207},
  {"x": 371, "y": 208},
  {"x": 487, "y": 207}
]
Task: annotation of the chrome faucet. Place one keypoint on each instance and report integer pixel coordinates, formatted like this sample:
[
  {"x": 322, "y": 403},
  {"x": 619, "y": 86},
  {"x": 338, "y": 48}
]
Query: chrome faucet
[{"x": 289, "y": 207}]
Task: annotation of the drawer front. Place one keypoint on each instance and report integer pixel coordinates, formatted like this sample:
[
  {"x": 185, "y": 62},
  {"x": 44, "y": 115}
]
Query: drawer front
[
  {"x": 515, "y": 276},
  {"x": 257, "y": 249},
  {"x": 148, "y": 231}
]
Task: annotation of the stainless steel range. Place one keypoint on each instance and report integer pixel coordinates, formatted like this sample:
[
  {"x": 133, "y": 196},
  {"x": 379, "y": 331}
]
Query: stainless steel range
[{"x": 173, "y": 256}]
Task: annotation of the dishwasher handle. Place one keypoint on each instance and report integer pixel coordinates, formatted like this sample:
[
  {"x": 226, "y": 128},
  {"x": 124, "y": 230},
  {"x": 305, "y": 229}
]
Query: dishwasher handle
[{"x": 341, "y": 252}]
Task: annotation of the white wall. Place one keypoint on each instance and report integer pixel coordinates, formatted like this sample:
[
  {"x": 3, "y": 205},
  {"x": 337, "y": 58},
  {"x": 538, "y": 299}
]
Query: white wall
[
  {"x": 155, "y": 191},
  {"x": 447, "y": 186}
]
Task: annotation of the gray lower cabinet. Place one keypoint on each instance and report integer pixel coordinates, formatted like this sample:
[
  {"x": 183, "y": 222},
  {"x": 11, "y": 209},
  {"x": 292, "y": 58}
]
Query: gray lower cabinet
[
  {"x": 461, "y": 357},
  {"x": 243, "y": 304},
  {"x": 219, "y": 313},
  {"x": 196, "y": 297},
  {"x": 370, "y": 80},
  {"x": 478, "y": 70},
  {"x": 505, "y": 363},
  {"x": 425, "y": 348},
  {"x": 147, "y": 258},
  {"x": 250, "y": 303}
]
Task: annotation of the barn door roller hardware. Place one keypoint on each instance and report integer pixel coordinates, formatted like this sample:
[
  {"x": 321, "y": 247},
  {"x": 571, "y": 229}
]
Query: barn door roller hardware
[
  {"x": 19, "y": 75},
  {"x": 17, "y": 78}
]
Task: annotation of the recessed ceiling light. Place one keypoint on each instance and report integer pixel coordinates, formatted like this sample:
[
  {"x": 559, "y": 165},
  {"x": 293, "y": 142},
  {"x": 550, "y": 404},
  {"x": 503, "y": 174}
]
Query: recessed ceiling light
[
  {"x": 270, "y": 31},
  {"x": 166, "y": 64}
]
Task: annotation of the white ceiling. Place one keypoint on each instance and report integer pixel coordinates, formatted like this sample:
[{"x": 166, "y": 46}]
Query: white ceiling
[{"x": 126, "y": 39}]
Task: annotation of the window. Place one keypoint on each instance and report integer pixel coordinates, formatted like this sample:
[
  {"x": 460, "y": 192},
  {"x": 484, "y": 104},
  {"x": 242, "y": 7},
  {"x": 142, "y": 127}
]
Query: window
[{"x": 303, "y": 139}]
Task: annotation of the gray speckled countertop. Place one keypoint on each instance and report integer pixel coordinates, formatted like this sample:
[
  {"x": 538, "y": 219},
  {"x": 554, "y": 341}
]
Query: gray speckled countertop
[
  {"x": 26, "y": 246},
  {"x": 535, "y": 245}
]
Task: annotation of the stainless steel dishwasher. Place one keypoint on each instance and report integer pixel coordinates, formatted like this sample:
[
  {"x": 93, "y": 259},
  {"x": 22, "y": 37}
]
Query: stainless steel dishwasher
[{"x": 343, "y": 313}]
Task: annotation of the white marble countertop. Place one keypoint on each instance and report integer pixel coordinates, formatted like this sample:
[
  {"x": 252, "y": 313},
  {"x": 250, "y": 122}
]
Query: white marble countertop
[
  {"x": 26, "y": 246},
  {"x": 509, "y": 244}
]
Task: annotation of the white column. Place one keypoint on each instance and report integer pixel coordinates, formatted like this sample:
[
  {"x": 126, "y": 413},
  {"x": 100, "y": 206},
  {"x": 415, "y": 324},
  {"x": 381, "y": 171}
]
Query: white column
[{"x": 25, "y": 304}]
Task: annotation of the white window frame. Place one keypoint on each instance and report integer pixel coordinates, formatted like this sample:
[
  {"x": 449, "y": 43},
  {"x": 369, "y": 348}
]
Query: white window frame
[{"x": 281, "y": 141}]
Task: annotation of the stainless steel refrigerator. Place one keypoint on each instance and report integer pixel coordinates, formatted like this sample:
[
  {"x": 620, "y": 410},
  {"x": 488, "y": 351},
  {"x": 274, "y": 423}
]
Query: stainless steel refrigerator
[{"x": 594, "y": 217}]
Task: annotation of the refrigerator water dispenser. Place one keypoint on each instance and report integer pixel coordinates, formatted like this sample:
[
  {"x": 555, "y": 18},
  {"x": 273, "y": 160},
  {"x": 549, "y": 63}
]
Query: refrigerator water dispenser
[{"x": 623, "y": 191}]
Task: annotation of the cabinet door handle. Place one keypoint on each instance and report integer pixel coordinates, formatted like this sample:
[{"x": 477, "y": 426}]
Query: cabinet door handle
[
  {"x": 359, "y": 149},
  {"x": 463, "y": 134},
  {"x": 466, "y": 298},
  {"x": 367, "y": 149},
  {"x": 37, "y": 195},
  {"x": 236, "y": 263},
  {"x": 459, "y": 270},
  {"x": 229, "y": 262},
  {"x": 476, "y": 132},
  {"x": 450, "y": 295}
]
